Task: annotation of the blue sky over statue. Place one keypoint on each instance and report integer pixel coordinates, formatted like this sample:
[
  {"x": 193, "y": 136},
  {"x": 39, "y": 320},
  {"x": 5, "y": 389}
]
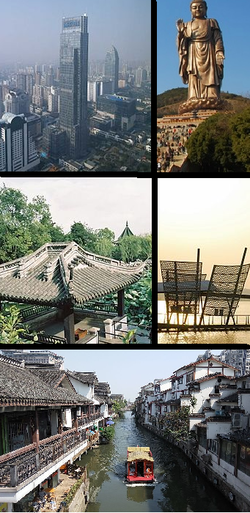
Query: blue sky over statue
[{"x": 234, "y": 27}]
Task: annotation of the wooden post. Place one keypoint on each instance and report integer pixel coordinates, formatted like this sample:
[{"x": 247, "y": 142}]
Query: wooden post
[
  {"x": 35, "y": 435},
  {"x": 120, "y": 303},
  {"x": 69, "y": 324},
  {"x": 197, "y": 284},
  {"x": 235, "y": 289}
]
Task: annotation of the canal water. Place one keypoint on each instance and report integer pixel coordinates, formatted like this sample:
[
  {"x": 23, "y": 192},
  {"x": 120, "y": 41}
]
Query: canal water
[{"x": 179, "y": 486}]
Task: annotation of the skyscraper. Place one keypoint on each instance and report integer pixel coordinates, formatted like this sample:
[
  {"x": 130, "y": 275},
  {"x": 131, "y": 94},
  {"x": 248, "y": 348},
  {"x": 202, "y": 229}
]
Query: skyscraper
[
  {"x": 73, "y": 84},
  {"x": 112, "y": 67},
  {"x": 17, "y": 146}
]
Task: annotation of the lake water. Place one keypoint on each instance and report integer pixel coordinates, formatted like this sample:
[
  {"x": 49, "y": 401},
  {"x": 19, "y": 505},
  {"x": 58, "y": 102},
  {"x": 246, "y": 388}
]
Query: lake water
[
  {"x": 179, "y": 487},
  {"x": 216, "y": 337}
]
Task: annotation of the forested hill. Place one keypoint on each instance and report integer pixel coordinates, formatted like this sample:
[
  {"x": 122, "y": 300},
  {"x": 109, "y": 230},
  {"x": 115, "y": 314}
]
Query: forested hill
[{"x": 169, "y": 101}]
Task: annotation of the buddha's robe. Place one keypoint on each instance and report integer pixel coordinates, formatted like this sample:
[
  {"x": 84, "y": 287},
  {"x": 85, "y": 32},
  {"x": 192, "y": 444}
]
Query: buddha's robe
[{"x": 198, "y": 43}]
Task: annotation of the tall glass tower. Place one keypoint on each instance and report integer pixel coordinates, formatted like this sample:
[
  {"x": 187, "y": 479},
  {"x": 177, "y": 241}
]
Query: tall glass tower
[
  {"x": 112, "y": 66},
  {"x": 73, "y": 84}
]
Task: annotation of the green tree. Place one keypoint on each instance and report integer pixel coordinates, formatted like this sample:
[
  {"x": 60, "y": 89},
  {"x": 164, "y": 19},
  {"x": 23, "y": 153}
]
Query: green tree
[
  {"x": 133, "y": 248},
  {"x": 176, "y": 424},
  {"x": 11, "y": 326},
  {"x": 118, "y": 406},
  {"x": 104, "y": 242},
  {"x": 83, "y": 235},
  {"x": 24, "y": 226},
  {"x": 240, "y": 125},
  {"x": 210, "y": 146}
]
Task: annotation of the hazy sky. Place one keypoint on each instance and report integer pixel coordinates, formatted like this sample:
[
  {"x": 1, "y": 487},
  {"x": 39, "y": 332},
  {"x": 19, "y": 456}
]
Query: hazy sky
[
  {"x": 31, "y": 30},
  {"x": 127, "y": 371},
  {"x": 209, "y": 213},
  {"x": 98, "y": 202},
  {"x": 233, "y": 19}
]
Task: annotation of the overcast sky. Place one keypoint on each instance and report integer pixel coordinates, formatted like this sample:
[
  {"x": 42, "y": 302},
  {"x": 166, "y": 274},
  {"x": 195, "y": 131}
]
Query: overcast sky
[
  {"x": 127, "y": 371},
  {"x": 98, "y": 202},
  {"x": 209, "y": 213},
  {"x": 31, "y": 30}
]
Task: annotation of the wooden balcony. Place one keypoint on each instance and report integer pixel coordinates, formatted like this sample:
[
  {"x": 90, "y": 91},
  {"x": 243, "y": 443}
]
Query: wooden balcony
[{"x": 23, "y": 464}]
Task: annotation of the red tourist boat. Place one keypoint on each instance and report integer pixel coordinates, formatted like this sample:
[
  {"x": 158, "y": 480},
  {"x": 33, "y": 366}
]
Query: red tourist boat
[{"x": 140, "y": 465}]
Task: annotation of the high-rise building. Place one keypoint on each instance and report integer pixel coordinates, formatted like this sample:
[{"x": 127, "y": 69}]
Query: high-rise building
[
  {"x": 112, "y": 67},
  {"x": 38, "y": 95},
  {"x": 17, "y": 146},
  {"x": 53, "y": 100},
  {"x": 73, "y": 84},
  {"x": 53, "y": 141},
  {"x": 140, "y": 76},
  {"x": 17, "y": 102}
]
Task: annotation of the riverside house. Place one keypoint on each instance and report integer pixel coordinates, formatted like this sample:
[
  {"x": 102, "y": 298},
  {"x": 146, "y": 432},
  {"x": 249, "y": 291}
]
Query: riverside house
[
  {"x": 44, "y": 422},
  {"x": 217, "y": 435}
]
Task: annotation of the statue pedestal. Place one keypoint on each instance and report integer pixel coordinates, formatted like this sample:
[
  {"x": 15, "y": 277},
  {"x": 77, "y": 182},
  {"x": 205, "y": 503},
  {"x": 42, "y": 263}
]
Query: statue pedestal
[{"x": 196, "y": 104}]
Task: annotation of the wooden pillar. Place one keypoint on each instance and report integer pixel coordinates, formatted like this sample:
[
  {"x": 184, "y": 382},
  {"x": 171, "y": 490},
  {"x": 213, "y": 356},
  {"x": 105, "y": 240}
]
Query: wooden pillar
[
  {"x": 35, "y": 435},
  {"x": 121, "y": 303},
  {"x": 69, "y": 324}
]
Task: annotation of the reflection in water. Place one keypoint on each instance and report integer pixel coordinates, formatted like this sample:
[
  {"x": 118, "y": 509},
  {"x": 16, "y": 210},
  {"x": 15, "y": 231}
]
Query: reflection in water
[
  {"x": 140, "y": 493},
  {"x": 179, "y": 486},
  {"x": 213, "y": 337}
]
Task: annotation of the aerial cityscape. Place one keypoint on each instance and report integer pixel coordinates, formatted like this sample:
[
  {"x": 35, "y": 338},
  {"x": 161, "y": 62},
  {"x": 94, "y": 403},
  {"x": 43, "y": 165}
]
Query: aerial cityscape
[{"x": 78, "y": 108}]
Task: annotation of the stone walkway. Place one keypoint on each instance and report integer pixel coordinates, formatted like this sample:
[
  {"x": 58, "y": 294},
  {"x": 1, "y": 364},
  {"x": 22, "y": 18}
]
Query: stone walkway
[{"x": 59, "y": 493}]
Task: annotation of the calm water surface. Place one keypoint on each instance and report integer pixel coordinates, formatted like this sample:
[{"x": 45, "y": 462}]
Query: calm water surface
[
  {"x": 179, "y": 486},
  {"x": 216, "y": 337}
]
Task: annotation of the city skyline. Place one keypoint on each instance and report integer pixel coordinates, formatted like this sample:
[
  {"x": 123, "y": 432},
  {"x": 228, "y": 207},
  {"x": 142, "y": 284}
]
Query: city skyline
[{"x": 116, "y": 25}]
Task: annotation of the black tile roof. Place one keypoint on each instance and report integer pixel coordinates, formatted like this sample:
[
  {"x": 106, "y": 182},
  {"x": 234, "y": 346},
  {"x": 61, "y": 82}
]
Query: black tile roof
[
  {"x": 20, "y": 387},
  {"x": 85, "y": 377},
  {"x": 58, "y": 273}
]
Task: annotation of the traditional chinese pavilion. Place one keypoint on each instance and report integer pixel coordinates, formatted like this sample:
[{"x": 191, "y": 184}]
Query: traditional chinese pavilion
[{"x": 65, "y": 276}]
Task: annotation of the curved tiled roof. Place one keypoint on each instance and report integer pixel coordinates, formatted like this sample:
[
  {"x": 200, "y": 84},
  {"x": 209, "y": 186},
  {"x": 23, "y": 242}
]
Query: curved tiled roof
[
  {"x": 63, "y": 272},
  {"x": 20, "y": 387},
  {"x": 89, "y": 378}
]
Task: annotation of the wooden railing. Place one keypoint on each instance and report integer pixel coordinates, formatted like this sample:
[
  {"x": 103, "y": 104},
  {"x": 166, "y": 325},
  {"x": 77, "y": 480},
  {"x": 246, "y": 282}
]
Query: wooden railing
[
  {"x": 43, "y": 338},
  {"x": 31, "y": 312},
  {"x": 22, "y": 464}
]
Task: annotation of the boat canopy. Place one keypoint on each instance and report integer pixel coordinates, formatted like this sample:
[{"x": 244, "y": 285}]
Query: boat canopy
[{"x": 139, "y": 453}]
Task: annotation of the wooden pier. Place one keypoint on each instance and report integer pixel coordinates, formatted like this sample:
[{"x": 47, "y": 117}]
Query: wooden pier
[{"x": 176, "y": 328}]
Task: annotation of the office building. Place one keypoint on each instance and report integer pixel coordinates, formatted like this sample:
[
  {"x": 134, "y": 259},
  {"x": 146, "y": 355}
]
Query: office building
[
  {"x": 38, "y": 95},
  {"x": 112, "y": 67},
  {"x": 36, "y": 358},
  {"x": 140, "y": 76},
  {"x": 54, "y": 142},
  {"x": 99, "y": 88},
  {"x": 53, "y": 100},
  {"x": 121, "y": 110},
  {"x": 73, "y": 84},
  {"x": 17, "y": 102},
  {"x": 17, "y": 146}
]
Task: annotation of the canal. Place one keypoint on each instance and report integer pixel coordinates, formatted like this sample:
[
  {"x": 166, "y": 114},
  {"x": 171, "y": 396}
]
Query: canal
[{"x": 179, "y": 486}]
